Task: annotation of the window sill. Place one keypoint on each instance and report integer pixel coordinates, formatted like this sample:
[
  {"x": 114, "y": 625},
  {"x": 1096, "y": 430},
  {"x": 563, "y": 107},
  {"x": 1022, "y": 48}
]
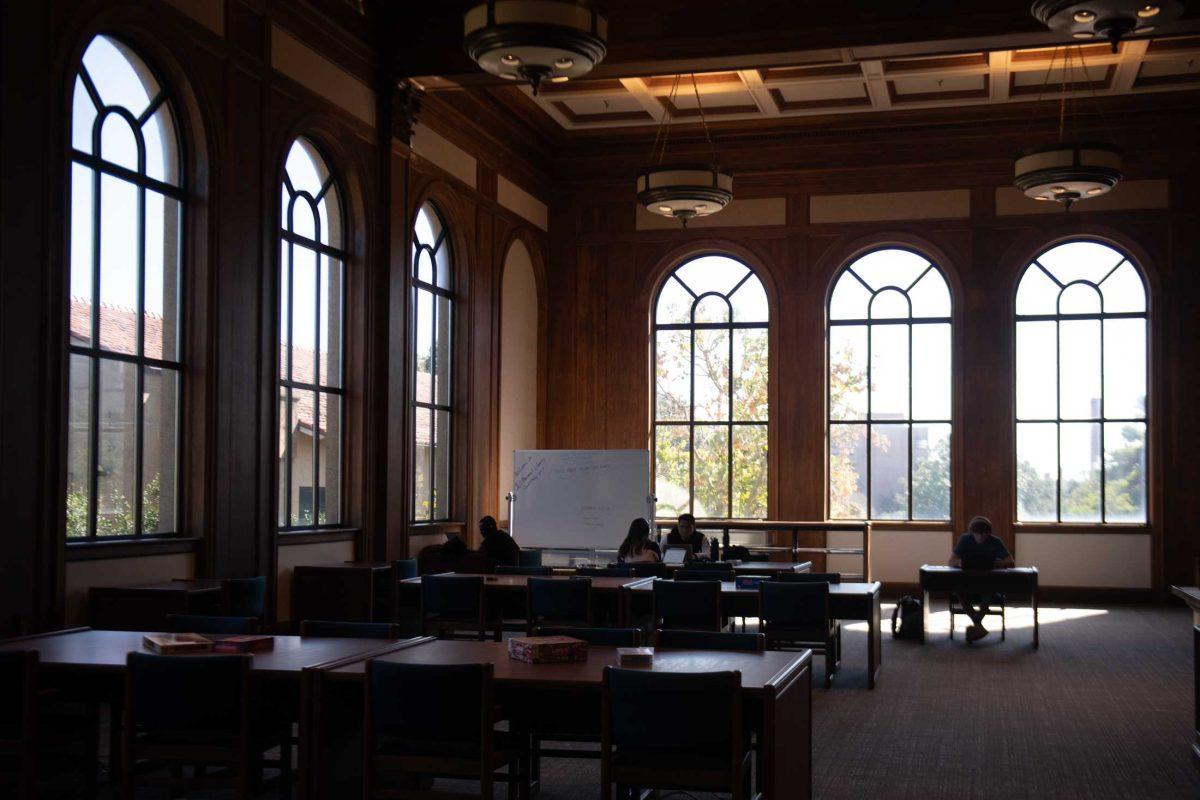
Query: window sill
[
  {"x": 316, "y": 536},
  {"x": 910, "y": 525},
  {"x": 131, "y": 548},
  {"x": 1082, "y": 527},
  {"x": 432, "y": 528}
]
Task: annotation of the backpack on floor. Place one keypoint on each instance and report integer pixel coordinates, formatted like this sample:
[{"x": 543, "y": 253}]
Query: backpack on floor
[{"x": 908, "y": 610}]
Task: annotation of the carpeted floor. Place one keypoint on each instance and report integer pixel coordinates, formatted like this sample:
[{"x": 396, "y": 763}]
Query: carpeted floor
[{"x": 1102, "y": 710}]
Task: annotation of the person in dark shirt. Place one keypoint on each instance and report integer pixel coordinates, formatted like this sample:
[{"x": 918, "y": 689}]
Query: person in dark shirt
[
  {"x": 638, "y": 546},
  {"x": 685, "y": 533},
  {"x": 498, "y": 548},
  {"x": 454, "y": 546},
  {"x": 979, "y": 548}
]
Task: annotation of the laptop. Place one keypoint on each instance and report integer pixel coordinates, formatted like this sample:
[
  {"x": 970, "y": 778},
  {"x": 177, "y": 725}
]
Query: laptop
[{"x": 675, "y": 555}]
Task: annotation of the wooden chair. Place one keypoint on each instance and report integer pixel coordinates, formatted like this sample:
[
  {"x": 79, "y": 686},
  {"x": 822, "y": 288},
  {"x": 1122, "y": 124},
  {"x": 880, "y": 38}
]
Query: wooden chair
[
  {"x": 43, "y": 732},
  {"x": 405, "y": 568},
  {"x": 691, "y": 573},
  {"x": 996, "y": 608},
  {"x": 245, "y": 597},
  {"x": 509, "y": 569},
  {"x": 796, "y": 614},
  {"x": 435, "y": 720},
  {"x": 677, "y": 731},
  {"x": 198, "y": 710},
  {"x": 203, "y": 623},
  {"x": 559, "y": 602},
  {"x": 18, "y": 722},
  {"x": 120, "y": 608},
  {"x": 451, "y": 604},
  {"x": 349, "y": 630},
  {"x": 600, "y": 637},
  {"x": 530, "y": 558},
  {"x": 579, "y": 723},
  {"x": 809, "y": 577},
  {"x": 334, "y": 593},
  {"x": 709, "y": 640},
  {"x": 688, "y": 605},
  {"x": 620, "y": 571}
]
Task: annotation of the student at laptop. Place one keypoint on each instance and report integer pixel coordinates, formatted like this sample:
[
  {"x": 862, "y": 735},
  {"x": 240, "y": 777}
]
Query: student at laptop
[
  {"x": 978, "y": 548},
  {"x": 685, "y": 533},
  {"x": 498, "y": 548},
  {"x": 637, "y": 546}
]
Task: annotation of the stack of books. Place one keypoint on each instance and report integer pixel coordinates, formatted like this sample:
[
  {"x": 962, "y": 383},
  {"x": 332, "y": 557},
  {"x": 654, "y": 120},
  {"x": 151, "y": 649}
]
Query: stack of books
[
  {"x": 635, "y": 656},
  {"x": 547, "y": 649},
  {"x": 171, "y": 643}
]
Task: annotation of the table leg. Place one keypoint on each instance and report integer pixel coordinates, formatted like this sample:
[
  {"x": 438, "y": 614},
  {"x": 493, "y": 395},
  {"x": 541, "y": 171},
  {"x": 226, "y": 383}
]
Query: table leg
[
  {"x": 874, "y": 643},
  {"x": 924, "y": 615},
  {"x": 1034, "y": 603}
]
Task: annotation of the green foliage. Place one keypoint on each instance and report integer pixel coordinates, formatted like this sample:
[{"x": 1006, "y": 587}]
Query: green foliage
[
  {"x": 119, "y": 520},
  {"x": 1124, "y": 489}
]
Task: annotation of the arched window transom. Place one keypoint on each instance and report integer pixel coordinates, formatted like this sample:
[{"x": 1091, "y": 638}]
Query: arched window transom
[
  {"x": 127, "y": 208},
  {"x": 711, "y": 400},
  {"x": 433, "y": 405},
  {"x": 889, "y": 381},
  {"x": 1081, "y": 386},
  {"x": 312, "y": 263}
]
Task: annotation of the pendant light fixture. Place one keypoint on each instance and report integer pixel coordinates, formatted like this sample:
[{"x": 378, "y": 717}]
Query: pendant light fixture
[
  {"x": 535, "y": 40},
  {"x": 1105, "y": 19},
  {"x": 683, "y": 191},
  {"x": 1069, "y": 170}
]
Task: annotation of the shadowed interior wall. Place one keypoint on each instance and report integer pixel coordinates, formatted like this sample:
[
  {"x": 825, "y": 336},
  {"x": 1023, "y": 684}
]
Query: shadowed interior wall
[{"x": 518, "y": 363}]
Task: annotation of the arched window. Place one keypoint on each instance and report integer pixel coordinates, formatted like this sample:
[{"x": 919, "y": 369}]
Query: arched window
[
  {"x": 1081, "y": 387},
  {"x": 312, "y": 263},
  {"x": 432, "y": 315},
  {"x": 127, "y": 207},
  {"x": 889, "y": 389},
  {"x": 710, "y": 398}
]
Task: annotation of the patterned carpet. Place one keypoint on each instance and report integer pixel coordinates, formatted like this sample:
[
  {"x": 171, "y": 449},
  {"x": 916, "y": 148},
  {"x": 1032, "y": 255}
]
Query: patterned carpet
[{"x": 1102, "y": 710}]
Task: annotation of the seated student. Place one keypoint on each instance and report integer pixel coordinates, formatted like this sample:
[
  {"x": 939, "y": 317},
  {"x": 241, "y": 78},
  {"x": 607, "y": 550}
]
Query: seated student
[
  {"x": 498, "y": 548},
  {"x": 454, "y": 546},
  {"x": 978, "y": 548},
  {"x": 685, "y": 533},
  {"x": 637, "y": 546}
]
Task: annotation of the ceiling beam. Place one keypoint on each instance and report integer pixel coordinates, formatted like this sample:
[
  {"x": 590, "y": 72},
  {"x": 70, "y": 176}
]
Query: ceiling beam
[
  {"x": 876, "y": 84},
  {"x": 638, "y": 89},
  {"x": 998, "y": 79},
  {"x": 762, "y": 96},
  {"x": 1129, "y": 65}
]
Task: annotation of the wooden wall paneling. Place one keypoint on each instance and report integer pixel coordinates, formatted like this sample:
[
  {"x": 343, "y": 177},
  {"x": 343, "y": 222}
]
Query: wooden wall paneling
[{"x": 398, "y": 498}]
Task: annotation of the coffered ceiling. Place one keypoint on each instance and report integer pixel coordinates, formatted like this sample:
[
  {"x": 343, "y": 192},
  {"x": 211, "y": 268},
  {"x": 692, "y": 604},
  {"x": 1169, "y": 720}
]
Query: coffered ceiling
[{"x": 847, "y": 84}]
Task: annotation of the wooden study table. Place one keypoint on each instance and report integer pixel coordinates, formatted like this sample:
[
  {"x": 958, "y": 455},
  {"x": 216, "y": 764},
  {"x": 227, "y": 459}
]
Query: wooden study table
[
  {"x": 776, "y": 686},
  {"x": 847, "y": 601},
  {"x": 91, "y": 663},
  {"x": 771, "y": 567},
  {"x": 605, "y": 589},
  {"x": 1191, "y": 596},
  {"x": 346, "y": 591},
  {"x": 1011, "y": 582},
  {"x": 145, "y": 606}
]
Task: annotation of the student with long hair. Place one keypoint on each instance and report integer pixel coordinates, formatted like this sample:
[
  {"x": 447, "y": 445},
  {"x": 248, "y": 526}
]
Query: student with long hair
[{"x": 637, "y": 546}]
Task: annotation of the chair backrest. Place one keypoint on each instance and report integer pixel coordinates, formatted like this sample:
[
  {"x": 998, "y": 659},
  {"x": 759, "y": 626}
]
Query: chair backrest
[
  {"x": 559, "y": 600},
  {"x": 506, "y": 569},
  {"x": 648, "y": 569},
  {"x": 737, "y": 552},
  {"x": 600, "y": 637},
  {"x": 443, "y": 703},
  {"x": 203, "y": 623},
  {"x": 18, "y": 693},
  {"x": 245, "y": 597},
  {"x": 116, "y": 608},
  {"x": 710, "y": 640},
  {"x": 203, "y": 693},
  {"x": 432, "y": 560},
  {"x": 690, "y": 605},
  {"x": 663, "y": 712},
  {"x": 405, "y": 568},
  {"x": 452, "y": 597},
  {"x": 794, "y": 606},
  {"x": 622, "y": 571},
  {"x": 336, "y": 593},
  {"x": 809, "y": 577},
  {"x": 332, "y": 629},
  {"x": 724, "y": 573},
  {"x": 530, "y": 558}
]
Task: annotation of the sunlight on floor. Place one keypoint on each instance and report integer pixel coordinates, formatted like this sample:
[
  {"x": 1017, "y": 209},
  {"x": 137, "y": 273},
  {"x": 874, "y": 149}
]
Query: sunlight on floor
[{"x": 1018, "y": 617}]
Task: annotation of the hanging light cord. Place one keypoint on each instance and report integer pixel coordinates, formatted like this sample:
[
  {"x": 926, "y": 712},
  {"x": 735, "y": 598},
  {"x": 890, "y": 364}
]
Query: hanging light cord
[
  {"x": 664, "y": 127},
  {"x": 1095, "y": 96},
  {"x": 707, "y": 135}
]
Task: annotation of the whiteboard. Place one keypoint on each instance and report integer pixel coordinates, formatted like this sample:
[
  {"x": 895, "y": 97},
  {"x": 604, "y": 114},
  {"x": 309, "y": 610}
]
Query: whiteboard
[{"x": 578, "y": 498}]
